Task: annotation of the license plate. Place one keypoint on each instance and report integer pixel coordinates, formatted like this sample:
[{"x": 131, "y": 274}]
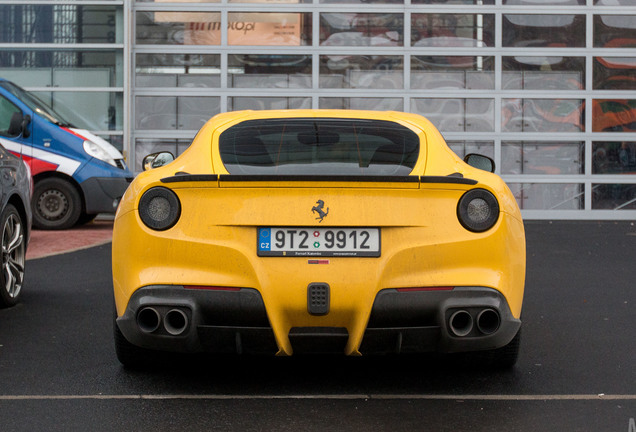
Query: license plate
[{"x": 333, "y": 242}]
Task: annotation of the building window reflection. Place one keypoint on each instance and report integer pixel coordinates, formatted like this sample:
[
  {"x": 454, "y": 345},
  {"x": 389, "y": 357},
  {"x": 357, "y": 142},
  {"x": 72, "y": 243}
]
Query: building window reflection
[
  {"x": 614, "y": 2},
  {"x": 543, "y": 115},
  {"x": 463, "y": 148},
  {"x": 452, "y": 30},
  {"x": 177, "y": 70},
  {"x": 361, "y": 29},
  {"x": 204, "y": 28},
  {"x": 369, "y": 71},
  {"x": 614, "y": 157},
  {"x": 269, "y": 71},
  {"x": 178, "y": 28},
  {"x": 62, "y": 68},
  {"x": 273, "y": 29},
  {"x": 542, "y": 158},
  {"x": 615, "y": 73},
  {"x": 174, "y": 113},
  {"x": 543, "y": 73},
  {"x": 614, "y": 115},
  {"x": 614, "y": 196},
  {"x": 363, "y": 1},
  {"x": 457, "y": 115},
  {"x": 614, "y": 31},
  {"x": 548, "y": 31},
  {"x": 548, "y": 196},
  {"x": 264, "y": 103},
  {"x": 460, "y": 72},
  {"x": 61, "y": 24},
  {"x": 178, "y": 1},
  {"x": 545, "y": 2},
  {"x": 465, "y": 2},
  {"x": 363, "y": 103}
]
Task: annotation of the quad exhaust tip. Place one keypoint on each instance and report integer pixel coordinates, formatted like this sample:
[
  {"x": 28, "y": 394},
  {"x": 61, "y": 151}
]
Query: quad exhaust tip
[
  {"x": 148, "y": 320},
  {"x": 461, "y": 323},
  {"x": 487, "y": 322},
  {"x": 175, "y": 322}
]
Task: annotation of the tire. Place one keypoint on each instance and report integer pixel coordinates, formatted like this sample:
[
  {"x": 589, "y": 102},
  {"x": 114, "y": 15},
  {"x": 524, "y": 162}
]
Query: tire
[
  {"x": 86, "y": 218},
  {"x": 56, "y": 204},
  {"x": 129, "y": 355},
  {"x": 13, "y": 256}
]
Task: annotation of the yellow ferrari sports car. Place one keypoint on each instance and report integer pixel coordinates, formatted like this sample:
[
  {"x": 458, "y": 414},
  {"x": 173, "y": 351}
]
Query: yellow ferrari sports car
[{"x": 318, "y": 231}]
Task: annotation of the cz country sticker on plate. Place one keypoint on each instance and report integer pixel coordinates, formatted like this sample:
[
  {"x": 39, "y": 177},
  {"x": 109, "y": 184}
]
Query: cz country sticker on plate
[{"x": 332, "y": 242}]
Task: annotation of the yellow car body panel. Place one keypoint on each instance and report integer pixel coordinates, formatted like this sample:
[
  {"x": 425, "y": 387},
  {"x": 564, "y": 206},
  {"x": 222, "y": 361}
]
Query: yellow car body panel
[{"x": 214, "y": 241}]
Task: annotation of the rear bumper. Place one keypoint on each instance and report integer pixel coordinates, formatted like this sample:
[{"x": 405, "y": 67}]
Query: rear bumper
[
  {"x": 236, "y": 321},
  {"x": 216, "y": 321},
  {"x": 419, "y": 321},
  {"x": 102, "y": 194}
]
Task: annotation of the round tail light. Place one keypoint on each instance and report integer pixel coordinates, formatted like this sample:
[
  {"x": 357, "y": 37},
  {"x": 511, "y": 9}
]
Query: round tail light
[
  {"x": 478, "y": 210},
  {"x": 159, "y": 208}
]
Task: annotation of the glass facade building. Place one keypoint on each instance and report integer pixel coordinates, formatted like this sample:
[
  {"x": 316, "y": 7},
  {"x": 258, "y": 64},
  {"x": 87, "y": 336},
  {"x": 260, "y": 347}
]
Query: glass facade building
[
  {"x": 547, "y": 88},
  {"x": 71, "y": 54}
]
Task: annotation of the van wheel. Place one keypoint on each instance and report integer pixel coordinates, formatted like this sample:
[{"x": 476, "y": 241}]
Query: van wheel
[{"x": 56, "y": 204}]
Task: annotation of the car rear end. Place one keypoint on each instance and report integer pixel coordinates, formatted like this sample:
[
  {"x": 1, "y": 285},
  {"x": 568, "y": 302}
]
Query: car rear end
[{"x": 342, "y": 253}]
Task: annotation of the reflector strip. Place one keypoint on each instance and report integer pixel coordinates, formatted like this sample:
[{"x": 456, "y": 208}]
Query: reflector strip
[
  {"x": 213, "y": 288},
  {"x": 424, "y": 289},
  {"x": 315, "y": 261}
]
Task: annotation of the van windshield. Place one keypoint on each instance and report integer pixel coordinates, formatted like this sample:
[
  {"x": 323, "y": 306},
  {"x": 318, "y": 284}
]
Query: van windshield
[
  {"x": 34, "y": 103},
  {"x": 319, "y": 146}
]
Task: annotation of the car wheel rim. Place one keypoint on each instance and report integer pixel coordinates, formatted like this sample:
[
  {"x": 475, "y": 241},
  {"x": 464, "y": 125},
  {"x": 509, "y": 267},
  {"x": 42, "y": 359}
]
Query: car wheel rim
[
  {"x": 52, "y": 205},
  {"x": 12, "y": 255}
]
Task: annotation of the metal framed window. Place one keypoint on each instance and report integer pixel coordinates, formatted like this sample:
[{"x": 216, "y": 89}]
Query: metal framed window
[
  {"x": 548, "y": 92},
  {"x": 72, "y": 55}
]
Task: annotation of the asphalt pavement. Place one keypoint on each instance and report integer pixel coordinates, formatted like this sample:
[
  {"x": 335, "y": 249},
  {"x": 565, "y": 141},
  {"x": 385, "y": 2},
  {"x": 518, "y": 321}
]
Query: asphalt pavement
[{"x": 58, "y": 370}]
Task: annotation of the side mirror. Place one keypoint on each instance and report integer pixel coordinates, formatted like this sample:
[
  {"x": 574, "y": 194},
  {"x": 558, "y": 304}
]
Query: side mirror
[
  {"x": 25, "y": 126},
  {"x": 156, "y": 160},
  {"x": 19, "y": 124},
  {"x": 480, "y": 162}
]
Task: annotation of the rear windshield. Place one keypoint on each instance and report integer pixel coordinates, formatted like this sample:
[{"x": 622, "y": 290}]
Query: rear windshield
[{"x": 324, "y": 147}]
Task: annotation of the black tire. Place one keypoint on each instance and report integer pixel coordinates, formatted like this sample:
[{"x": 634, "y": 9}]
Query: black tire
[
  {"x": 13, "y": 256},
  {"x": 129, "y": 355},
  {"x": 56, "y": 204},
  {"x": 86, "y": 218}
]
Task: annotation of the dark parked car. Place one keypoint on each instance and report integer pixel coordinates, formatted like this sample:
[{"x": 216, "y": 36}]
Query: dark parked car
[{"x": 15, "y": 223}]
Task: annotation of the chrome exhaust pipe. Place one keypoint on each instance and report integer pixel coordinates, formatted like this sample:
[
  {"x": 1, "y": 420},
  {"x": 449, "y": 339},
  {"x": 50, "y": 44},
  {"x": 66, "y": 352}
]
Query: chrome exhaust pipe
[
  {"x": 461, "y": 323},
  {"x": 175, "y": 322},
  {"x": 488, "y": 321},
  {"x": 148, "y": 320}
]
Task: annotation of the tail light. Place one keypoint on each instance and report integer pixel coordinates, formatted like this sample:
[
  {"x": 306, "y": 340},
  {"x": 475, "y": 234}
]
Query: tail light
[
  {"x": 159, "y": 208},
  {"x": 478, "y": 210}
]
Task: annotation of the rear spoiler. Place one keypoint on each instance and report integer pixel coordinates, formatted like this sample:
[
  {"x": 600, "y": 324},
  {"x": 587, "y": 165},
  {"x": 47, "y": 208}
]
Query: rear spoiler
[{"x": 455, "y": 178}]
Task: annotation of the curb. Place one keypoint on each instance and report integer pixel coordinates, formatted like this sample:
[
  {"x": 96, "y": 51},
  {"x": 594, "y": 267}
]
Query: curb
[{"x": 43, "y": 244}]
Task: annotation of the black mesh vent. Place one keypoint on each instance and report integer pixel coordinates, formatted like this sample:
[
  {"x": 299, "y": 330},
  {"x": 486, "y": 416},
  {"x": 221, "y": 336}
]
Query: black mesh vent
[{"x": 318, "y": 299}]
